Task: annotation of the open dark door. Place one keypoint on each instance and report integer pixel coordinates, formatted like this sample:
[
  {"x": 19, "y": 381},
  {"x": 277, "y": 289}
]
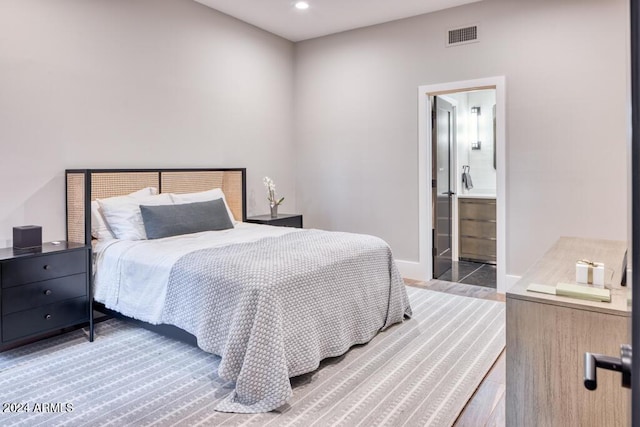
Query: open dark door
[{"x": 442, "y": 147}]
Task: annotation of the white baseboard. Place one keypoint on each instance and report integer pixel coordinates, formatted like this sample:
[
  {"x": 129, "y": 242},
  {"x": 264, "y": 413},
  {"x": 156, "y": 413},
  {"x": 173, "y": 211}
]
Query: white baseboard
[{"x": 411, "y": 270}]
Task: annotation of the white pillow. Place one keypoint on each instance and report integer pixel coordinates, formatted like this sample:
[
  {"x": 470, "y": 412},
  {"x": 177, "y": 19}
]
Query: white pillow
[
  {"x": 202, "y": 196},
  {"x": 99, "y": 228},
  {"x": 123, "y": 216}
]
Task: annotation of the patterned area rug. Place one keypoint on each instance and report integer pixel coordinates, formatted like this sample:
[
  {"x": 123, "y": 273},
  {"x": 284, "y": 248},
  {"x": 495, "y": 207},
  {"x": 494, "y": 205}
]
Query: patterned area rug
[{"x": 420, "y": 372}]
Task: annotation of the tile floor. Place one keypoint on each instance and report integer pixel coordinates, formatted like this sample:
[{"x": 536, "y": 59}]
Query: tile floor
[{"x": 471, "y": 273}]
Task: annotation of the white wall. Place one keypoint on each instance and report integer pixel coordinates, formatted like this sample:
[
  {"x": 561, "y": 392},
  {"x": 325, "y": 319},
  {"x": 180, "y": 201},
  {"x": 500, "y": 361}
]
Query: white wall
[
  {"x": 483, "y": 174},
  {"x": 481, "y": 161},
  {"x": 155, "y": 83},
  {"x": 461, "y": 150},
  {"x": 566, "y": 67},
  {"x": 146, "y": 83}
]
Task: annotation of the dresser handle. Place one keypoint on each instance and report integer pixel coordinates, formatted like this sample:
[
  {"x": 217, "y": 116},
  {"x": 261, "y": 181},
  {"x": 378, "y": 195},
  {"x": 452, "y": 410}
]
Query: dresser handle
[
  {"x": 47, "y": 266},
  {"x": 47, "y": 292},
  {"x": 47, "y": 316}
]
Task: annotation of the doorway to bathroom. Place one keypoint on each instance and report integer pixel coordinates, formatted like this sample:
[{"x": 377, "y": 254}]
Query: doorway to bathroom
[
  {"x": 463, "y": 154},
  {"x": 464, "y": 187}
]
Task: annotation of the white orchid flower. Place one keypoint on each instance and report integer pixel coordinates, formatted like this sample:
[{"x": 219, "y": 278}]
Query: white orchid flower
[{"x": 271, "y": 191}]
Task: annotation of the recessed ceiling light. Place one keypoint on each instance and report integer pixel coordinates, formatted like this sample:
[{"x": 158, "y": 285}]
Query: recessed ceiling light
[{"x": 301, "y": 5}]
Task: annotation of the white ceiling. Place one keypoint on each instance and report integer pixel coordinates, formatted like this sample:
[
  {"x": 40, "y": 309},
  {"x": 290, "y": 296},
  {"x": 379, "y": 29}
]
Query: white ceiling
[{"x": 324, "y": 16}]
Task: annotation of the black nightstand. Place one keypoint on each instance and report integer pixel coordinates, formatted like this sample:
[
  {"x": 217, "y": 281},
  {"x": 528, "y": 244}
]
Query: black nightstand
[
  {"x": 43, "y": 290},
  {"x": 283, "y": 220}
]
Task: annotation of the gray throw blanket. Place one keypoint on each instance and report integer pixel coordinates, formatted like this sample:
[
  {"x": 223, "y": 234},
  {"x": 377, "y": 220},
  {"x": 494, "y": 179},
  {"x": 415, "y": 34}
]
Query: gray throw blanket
[{"x": 273, "y": 309}]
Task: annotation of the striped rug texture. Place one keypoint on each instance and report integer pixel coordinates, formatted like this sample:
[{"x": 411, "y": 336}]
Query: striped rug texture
[{"x": 420, "y": 372}]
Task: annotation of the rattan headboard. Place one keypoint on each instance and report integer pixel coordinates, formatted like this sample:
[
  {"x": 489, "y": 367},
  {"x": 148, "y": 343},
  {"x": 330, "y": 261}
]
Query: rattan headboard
[{"x": 86, "y": 185}]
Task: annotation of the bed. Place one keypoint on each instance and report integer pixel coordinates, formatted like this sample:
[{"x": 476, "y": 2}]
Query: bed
[{"x": 272, "y": 302}]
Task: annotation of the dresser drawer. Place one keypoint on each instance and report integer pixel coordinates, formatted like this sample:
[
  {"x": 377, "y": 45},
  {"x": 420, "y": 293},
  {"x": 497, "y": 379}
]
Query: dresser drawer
[
  {"x": 481, "y": 249},
  {"x": 480, "y": 209},
  {"x": 38, "y": 268},
  {"x": 18, "y": 298},
  {"x": 484, "y": 229},
  {"x": 44, "y": 318}
]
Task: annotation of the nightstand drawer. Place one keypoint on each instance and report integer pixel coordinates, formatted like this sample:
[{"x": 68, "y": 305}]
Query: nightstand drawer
[
  {"x": 38, "y": 268},
  {"x": 282, "y": 220},
  {"x": 294, "y": 221},
  {"x": 18, "y": 298},
  {"x": 45, "y": 318}
]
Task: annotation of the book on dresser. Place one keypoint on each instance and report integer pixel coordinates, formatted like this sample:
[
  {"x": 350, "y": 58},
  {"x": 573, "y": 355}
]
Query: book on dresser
[{"x": 43, "y": 291}]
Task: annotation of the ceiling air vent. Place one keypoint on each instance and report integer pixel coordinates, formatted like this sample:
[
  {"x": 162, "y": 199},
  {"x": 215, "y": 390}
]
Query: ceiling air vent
[{"x": 464, "y": 35}]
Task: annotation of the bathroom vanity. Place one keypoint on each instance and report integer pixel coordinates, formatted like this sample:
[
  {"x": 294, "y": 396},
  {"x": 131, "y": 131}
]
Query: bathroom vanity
[{"x": 477, "y": 228}]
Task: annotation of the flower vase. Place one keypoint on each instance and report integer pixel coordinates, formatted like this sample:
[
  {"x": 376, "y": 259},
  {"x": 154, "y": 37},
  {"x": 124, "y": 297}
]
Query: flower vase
[{"x": 274, "y": 211}]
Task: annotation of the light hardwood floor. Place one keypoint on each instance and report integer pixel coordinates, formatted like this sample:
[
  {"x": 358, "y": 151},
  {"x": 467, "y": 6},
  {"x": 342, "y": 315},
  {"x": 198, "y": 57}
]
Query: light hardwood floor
[{"x": 486, "y": 408}]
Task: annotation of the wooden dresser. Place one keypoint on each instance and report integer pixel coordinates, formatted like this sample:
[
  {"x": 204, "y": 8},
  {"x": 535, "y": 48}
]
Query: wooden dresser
[
  {"x": 477, "y": 229},
  {"x": 547, "y": 337}
]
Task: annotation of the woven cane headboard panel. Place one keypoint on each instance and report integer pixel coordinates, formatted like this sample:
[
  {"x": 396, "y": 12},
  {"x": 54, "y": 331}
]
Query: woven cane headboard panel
[
  {"x": 76, "y": 207},
  {"x": 111, "y": 184},
  {"x": 229, "y": 181},
  {"x": 85, "y": 185}
]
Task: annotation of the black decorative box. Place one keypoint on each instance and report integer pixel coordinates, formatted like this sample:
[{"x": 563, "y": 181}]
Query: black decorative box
[{"x": 27, "y": 236}]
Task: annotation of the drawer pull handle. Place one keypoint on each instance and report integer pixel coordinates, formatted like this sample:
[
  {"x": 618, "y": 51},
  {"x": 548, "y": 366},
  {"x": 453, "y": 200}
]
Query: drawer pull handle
[
  {"x": 47, "y": 267},
  {"x": 47, "y": 292},
  {"x": 47, "y": 316}
]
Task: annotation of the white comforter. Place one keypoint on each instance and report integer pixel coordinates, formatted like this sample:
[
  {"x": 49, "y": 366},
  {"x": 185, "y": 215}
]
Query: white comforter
[{"x": 131, "y": 276}]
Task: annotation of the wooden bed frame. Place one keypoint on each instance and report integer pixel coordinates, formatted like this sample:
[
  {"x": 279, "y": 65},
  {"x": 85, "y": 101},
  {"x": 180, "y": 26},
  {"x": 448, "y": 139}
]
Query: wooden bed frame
[{"x": 86, "y": 185}]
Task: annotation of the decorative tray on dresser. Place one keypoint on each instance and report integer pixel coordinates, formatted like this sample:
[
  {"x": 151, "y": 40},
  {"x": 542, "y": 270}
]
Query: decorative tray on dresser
[{"x": 43, "y": 291}]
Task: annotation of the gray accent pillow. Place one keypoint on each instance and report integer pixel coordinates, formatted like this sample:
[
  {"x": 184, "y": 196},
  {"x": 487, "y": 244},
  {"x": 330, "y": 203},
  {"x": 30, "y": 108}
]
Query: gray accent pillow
[{"x": 172, "y": 220}]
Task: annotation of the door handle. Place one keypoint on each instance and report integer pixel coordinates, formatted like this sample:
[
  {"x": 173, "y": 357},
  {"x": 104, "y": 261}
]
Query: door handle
[
  {"x": 449, "y": 193},
  {"x": 594, "y": 361}
]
